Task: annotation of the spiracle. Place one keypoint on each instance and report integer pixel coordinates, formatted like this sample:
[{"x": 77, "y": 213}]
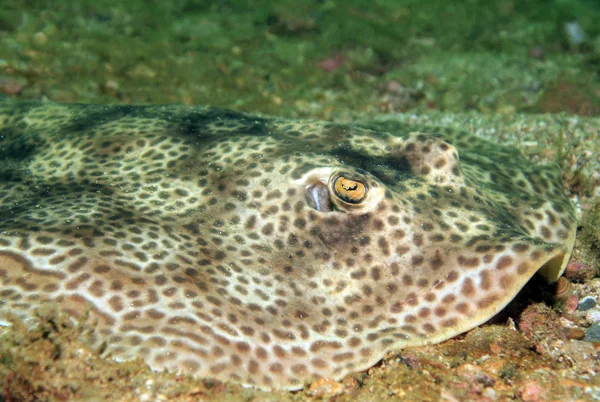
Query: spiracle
[{"x": 563, "y": 288}]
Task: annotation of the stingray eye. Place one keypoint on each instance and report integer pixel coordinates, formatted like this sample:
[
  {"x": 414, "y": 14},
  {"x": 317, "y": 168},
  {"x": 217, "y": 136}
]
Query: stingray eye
[{"x": 350, "y": 191}]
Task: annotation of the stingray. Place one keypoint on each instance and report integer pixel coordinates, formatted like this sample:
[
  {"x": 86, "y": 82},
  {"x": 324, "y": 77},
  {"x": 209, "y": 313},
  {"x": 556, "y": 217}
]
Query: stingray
[{"x": 264, "y": 251}]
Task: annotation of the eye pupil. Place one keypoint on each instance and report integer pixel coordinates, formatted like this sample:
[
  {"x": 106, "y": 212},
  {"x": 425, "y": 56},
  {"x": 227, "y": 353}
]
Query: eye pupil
[{"x": 349, "y": 187}]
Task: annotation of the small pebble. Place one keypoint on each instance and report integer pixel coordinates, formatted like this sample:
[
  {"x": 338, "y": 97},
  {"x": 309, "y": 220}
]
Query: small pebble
[
  {"x": 579, "y": 272},
  {"x": 593, "y": 315},
  {"x": 531, "y": 391},
  {"x": 574, "y": 33},
  {"x": 586, "y": 303},
  {"x": 490, "y": 393},
  {"x": 11, "y": 86},
  {"x": 575, "y": 333},
  {"x": 571, "y": 304},
  {"x": 394, "y": 86},
  {"x": 325, "y": 387},
  {"x": 331, "y": 63},
  {"x": 536, "y": 52},
  {"x": 592, "y": 334},
  {"x": 112, "y": 85},
  {"x": 40, "y": 38}
]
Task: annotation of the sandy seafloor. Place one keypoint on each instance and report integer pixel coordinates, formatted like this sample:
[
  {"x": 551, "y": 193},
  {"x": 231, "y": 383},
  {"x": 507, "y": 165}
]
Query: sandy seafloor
[{"x": 520, "y": 73}]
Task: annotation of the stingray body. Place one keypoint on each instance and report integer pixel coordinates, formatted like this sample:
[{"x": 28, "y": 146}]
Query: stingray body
[{"x": 264, "y": 251}]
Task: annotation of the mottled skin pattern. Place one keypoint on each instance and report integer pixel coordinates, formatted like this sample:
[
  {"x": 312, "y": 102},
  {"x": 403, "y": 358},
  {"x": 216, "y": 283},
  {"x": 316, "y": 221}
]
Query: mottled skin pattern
[{"x": 190, "y": 235}]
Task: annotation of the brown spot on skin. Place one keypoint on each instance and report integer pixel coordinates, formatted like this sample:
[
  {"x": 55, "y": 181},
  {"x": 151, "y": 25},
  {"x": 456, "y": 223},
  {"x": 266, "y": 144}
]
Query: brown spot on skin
[
  {"x": 452, "y": 276},
  {"x": 317, "y": 346},
  {"x": 418, "y": 239},
  {"x": 251, "y": 222},
  {"x": 262, "y": 353},
  {"x": 236, "y": 360},
  {"x": 49, "y": 288},
  {"x": 417, "y": 260},
  {"x": 265, "y": 338},
  {"x": 268, "y": 229},
  {"x": 276, "y": 368},
  {"x": 97, "y": 288},
  {"x": 472, "y": 262},
  {"x": 116, "y": 304},
  {"x": 319, "y": 363},
  {"x": 398, "y": 234},
  {"x": 451, "y": 322},
  {"x": 504, "y": 262},
  {"x": 375, "y": 273},
  {"x": 448, "y": 299},
  {"x": 299, "y": 369},
  {"x": 217, "y": 351},
  {"x": 410, "y": 319},
  {"x": 468, "y": 288},
  {"x": 440, "y": 311},
  {"x": 391, "y": 288},
  {"x": 298, "y": 351},
  {"x": 77, "y": 264},
  {"x": 506, "y": 281},
  {"x": 253, "y": 367},
  {"x": 57, "y": 260},
  {"x": 487, "y": 301},
  {"x": 462, "y": 308},
  {"x": 486, "y": 280},
  {"x": 523, "y": 268},
  {"x": 218, "y": 368},
  {"x": 412, "y": 299},
  {"x": 401, "y": 250},
  {"x": 340, "y": 357},
  {"x": 546, "y": 232},
  {"x": 440, "y": 163},
  {"x": 361, "y": 273},
  {"x": 520, "y": 247},
  {"x": 279, "y": 351},
  {"x": 354, "y": 342},
  {"x": 242, "y": 347},
  {"x": 155, "y": 314},
  {"x": 384, "y": 245},
  {"x": 436, "y": 262}
]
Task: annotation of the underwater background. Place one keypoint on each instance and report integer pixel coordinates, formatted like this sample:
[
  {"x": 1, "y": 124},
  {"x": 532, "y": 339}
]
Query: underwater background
[
  {"x": 323, "y": 59},
  {"x": 463, "y": 62}
]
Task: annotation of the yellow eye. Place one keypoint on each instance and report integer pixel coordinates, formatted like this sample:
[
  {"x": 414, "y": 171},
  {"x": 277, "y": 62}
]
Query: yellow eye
[{"x": 350, "y": 191}]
